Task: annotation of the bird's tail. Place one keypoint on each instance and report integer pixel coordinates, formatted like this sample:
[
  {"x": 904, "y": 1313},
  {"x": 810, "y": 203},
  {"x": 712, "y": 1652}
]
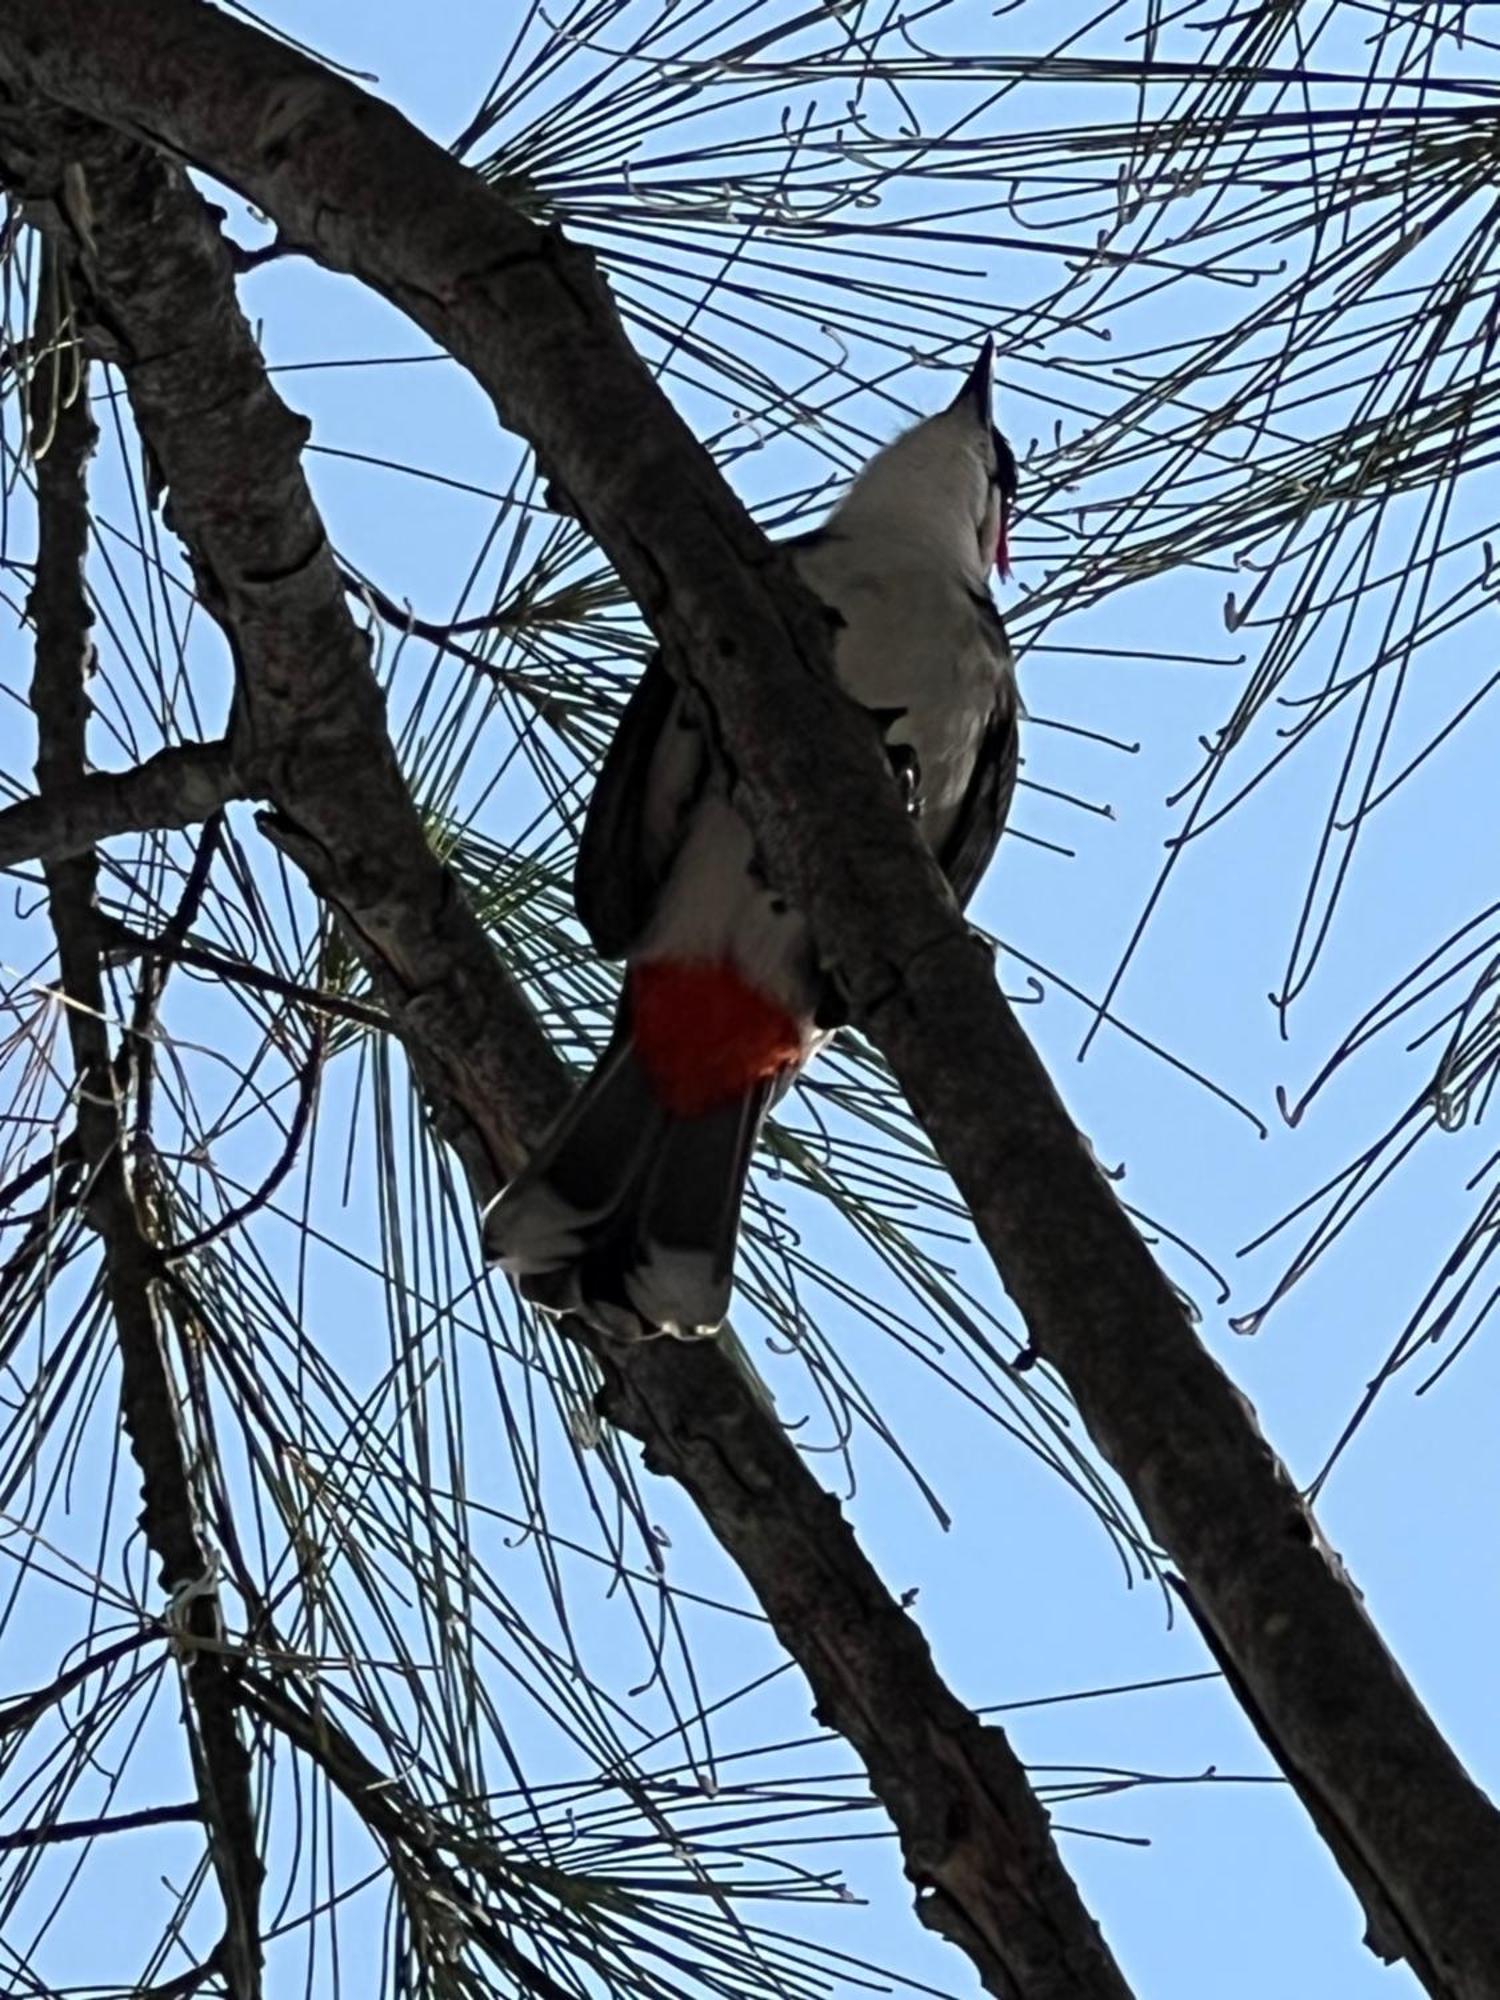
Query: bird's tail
[{"x": 629, "y": 1212}]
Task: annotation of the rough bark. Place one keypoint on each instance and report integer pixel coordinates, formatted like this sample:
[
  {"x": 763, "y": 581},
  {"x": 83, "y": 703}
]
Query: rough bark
[
  {"x": 355, "y": 185},
  {"x": 180, "y": 786},
  {"x": 169, "y": 1515},
  {"x": 155, "y": 284}
]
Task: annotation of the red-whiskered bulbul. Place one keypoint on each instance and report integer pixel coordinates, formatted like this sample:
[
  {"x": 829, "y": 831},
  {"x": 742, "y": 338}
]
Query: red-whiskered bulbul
[{"x": 629, "y": 1211}]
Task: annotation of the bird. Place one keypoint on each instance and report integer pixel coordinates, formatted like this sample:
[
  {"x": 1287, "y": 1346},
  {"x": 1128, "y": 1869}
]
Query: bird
[{"x": 628, "y": 1212}]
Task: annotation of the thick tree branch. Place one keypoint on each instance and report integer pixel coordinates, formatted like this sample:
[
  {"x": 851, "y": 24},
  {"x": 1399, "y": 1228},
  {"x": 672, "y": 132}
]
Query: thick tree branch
[
  {"x": 157, "y": 282},
  {"x": 350, "y": 181},
  {"x": 179, "y": 786},
  {"x": 64, "y": 659}
]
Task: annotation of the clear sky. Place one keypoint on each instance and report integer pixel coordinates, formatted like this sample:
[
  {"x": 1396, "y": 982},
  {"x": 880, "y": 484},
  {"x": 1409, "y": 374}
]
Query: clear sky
[{"x": 1207, "y": 1879}]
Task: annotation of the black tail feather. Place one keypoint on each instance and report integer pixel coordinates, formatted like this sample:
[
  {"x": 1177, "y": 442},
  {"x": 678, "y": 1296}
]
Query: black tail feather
[
  {"x": 628, "y": 1214},
  {"x": 678, "y": 1269}
]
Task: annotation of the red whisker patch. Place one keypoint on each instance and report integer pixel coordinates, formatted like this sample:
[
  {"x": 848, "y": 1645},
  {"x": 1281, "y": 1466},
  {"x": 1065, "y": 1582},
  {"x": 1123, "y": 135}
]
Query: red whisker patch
[
  {"x": 705, "y": 1035},
  {"x": 1002, "y": 546}
]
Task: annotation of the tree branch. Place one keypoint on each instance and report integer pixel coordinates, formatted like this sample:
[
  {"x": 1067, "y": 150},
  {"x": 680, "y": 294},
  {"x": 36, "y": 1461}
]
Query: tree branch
[
  {"x": 55, "y": 1831},
  {"x": 352, "y": 183},
  {"x": 407, "y": 1829},
  {"x": 64, "y": 659},
  {"x": 310, "y": 733},
  {"x": 121, "y": 942},
  {"x": 178, "y": 787},
  {"x": 24, "y": 1710}
]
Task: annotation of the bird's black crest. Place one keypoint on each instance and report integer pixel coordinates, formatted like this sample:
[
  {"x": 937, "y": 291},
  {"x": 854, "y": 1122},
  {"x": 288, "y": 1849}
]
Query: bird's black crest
[{"x": 1008, "y": 478}]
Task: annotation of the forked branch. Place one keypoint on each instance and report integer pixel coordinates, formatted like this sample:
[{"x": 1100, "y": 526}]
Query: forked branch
[
  {"x": 348, "y": 180},
  {"x": 311, "y": 737}
]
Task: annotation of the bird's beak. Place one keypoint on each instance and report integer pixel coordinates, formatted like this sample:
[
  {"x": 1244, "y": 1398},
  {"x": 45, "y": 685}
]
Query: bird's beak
[{"x": 976, "y": 393}]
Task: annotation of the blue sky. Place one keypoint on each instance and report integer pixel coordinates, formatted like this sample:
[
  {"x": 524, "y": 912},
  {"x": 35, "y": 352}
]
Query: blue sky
[{"x": 1023, "y": 1596}]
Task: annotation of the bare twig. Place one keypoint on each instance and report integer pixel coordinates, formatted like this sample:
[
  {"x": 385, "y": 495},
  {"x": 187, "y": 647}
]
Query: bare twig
[
  {"x": 446, "y": 638},
  {"x": 57, "y": 1831},
  {"x": 120, "y": 941},
  {"x": 307, "y": 1090},
  {"x": 22, "y": 1712}
]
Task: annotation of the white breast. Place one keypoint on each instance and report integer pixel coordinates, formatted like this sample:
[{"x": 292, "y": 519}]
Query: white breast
[{"x": 913, "y": 639}]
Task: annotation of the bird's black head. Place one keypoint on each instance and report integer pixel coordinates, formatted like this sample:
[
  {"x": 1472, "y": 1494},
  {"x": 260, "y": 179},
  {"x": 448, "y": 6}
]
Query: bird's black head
[
  {"x": 1007, "y": 486},
  {"x": 979, "y": 384},
  {"x": 947, "y": 485}
]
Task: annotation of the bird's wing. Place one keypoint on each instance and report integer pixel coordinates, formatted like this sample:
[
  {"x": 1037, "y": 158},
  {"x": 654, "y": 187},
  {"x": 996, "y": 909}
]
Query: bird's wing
[
  {"x": 654, "y": 769},
  {"x": 653, "y": 773},
  {"x": 975, "y": 833}
]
